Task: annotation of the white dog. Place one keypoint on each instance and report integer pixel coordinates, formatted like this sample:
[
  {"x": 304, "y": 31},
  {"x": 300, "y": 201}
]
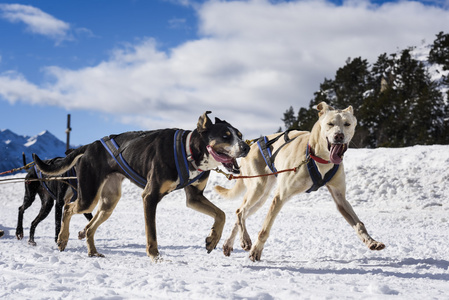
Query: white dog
[{"x": 323, "y": 148}]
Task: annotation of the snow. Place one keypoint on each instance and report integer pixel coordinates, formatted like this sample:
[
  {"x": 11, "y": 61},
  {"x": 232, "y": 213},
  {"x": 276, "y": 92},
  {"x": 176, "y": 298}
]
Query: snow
[{"x": 312, "y": 253}]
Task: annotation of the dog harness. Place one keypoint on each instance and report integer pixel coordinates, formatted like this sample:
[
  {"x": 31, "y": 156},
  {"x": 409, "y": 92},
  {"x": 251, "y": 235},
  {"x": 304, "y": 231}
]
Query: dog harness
[
  {"x": 264, "y": 146},
  {"x": 318, "y": 180},
  {"x": 72, "y": 182},
  {"x": 181, "y": 160}
]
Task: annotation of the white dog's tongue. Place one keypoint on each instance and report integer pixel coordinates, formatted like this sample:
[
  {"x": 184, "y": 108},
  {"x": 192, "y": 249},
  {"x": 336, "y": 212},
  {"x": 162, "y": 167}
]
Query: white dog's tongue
[{"x": 337, "y": 151}]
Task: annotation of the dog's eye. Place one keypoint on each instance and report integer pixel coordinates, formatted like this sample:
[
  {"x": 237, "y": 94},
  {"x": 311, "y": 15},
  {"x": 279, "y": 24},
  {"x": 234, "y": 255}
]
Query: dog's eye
[
  {"x": 347, "y": 124},
  {"x": 330, "y": 124},
  {"x": 239, "y": 134}
]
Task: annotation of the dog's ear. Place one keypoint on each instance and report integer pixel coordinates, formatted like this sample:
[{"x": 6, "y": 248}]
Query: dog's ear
[
  {"x": 204, "y": 123},
  {"x": 217, "y": 120},
  {"x": 349, "y": 109},
  {"x": 323, "y": 108}
]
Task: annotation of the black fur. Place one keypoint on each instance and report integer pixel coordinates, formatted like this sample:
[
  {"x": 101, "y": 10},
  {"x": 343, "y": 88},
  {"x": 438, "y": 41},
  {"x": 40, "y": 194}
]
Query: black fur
[
  {"x": 150, "y": 154},
  {"x": 33, "y": 188}
]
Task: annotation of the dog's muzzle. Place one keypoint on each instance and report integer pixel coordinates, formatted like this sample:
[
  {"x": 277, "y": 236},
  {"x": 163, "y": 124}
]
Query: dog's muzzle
[
  {"x": 337, "y": 149},
  {"x": 229, "y": 162}
]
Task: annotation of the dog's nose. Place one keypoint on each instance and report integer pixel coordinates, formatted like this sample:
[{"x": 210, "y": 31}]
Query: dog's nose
[
  {"x": 339, "y": 137},
  {"x": 244, "y": 149}
]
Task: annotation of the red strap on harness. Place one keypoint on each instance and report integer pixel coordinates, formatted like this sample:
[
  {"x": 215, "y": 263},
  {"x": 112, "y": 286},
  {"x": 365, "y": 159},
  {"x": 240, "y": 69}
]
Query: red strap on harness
[{"x": 316, "y": 158}]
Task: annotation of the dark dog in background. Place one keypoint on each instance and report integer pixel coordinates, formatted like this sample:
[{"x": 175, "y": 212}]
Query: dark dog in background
[
  {"x": 151, "y": 160},
  {"x": 50, "y": 192}
]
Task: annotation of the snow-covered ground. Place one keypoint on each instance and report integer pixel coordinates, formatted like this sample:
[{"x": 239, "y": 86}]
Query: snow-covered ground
[{"x": 401, "y": 195}]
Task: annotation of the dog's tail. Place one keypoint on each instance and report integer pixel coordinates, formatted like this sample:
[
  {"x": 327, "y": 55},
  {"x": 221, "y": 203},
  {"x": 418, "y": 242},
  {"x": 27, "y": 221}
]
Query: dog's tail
[
  {"x": 59, "y": 166},
  {"x": 235, "y": 191}
]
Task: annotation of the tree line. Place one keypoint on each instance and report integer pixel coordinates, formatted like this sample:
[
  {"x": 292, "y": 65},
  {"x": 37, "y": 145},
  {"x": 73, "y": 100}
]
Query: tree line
[{"x": 396, "y": 101}]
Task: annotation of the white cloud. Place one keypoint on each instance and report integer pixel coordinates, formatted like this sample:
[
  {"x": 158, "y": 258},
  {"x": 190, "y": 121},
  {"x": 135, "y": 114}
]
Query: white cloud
[
  {"x": 253, "y": 60},
  {"x": 37, "y": 21}
]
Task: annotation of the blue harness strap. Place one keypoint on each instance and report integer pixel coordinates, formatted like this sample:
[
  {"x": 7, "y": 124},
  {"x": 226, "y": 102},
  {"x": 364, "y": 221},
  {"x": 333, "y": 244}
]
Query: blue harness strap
[
  {"x": 182, "y": 165},
  {"x": 180, "y": 156},
  {"x": 264, "y": 146},
  {"x": 113, "y": 149},
  {"x": 318, "y": 181},
  {"x": 72, "y": 182},
  {"x": 266, "y": 153},
  {"x": 43, "y": 183}
]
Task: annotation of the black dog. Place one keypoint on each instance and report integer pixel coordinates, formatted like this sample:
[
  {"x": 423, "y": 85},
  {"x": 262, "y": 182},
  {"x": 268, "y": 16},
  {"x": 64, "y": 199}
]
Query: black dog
[
  {"x": 49, "y": 192},
  {"x": 159, "y": 161}
]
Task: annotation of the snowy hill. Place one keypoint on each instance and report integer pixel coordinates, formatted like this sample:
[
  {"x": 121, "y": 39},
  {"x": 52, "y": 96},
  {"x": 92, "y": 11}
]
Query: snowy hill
[
  {"x": 12, "y": 145},
  {"x": 402, "y": 196}
]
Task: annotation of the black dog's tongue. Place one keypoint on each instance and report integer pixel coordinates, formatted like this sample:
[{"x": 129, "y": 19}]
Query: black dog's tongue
[
  {"x": 336, "y": 153},
  {"x": 228, "y": 162}
]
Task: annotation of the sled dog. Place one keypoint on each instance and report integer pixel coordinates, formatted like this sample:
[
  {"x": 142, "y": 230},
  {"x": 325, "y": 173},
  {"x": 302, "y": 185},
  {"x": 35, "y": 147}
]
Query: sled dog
[
  {"x": 158, "y": 161},
  {"x": 323, "y": 150}
]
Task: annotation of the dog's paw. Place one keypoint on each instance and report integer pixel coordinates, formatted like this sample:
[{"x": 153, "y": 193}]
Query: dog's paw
[
  {"x": 19, "y": 234},
  {"x": 81, "y": 234},
  {"x": 95, "y": 254},
  {"x": 32, "y": 243},
  {"x": 153, "y": 253},
  {"x": 376, "y": 246},
  {"x": 246, "y": 244},
  {"x": 211, "y": 244},
  {"x": 158, "y": 259},
  {"x": 227, "y": 250},
  {"x": 255, "y": 254},
  {"x": 62, "y": 245},
  {"x": 212, "y": 241}
]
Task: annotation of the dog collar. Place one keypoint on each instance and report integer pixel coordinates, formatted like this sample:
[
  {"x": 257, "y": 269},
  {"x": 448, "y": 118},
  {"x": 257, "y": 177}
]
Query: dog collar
[
  {"x": 189, "y": 152},
  {"x": 316, "y": 158}
]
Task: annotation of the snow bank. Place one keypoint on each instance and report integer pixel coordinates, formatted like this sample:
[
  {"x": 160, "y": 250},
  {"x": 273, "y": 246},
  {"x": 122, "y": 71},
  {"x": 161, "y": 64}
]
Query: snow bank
[{"x": 400, "y": 194}]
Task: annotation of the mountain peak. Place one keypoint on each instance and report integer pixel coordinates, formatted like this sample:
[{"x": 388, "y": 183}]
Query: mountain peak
[{"x": 12, "y": 145}]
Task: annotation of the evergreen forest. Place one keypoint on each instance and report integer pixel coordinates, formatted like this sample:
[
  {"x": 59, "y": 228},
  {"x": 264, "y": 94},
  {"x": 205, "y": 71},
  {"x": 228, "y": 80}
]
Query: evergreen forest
[{"x": 401, "y": 100}]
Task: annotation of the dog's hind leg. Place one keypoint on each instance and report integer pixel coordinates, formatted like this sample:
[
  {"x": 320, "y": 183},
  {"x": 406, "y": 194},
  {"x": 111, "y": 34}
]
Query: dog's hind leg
[
  {"x": 31, "y": 189},
  {"x": 76, "y": 207},
  {"x": 58, "y": 216},
  {"x": 63, "y": 236},
  {"x": 240, "y": 226},
  {"x": 82, "y": 233},
  {"x": 110, "y": 195},
  {"x": 345, "y": 208},
  {"x": 256, "y": 250},
  {"x": 228, "y": 245},
  {"x": 47, "y": 205},
  {"x": 256, "y": 195}
]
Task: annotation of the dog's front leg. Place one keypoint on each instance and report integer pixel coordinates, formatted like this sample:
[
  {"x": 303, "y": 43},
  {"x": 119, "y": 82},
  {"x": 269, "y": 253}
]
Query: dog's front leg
[
  {"x": 345, "y": 208},
  {"x": 197, "y": 201}
]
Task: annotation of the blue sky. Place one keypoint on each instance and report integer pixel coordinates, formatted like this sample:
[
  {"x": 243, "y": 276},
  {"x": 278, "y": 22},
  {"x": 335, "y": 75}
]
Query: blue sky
[{"x": 138, "y": 65}]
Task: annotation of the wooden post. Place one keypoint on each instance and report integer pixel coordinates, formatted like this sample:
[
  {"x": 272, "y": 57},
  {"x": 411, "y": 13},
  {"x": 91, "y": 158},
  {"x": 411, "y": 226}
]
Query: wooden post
[{"x": 68, "y": 132}]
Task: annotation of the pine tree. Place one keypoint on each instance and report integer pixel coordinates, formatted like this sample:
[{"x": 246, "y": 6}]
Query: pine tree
[
  {"x": 396, "y": 102},
  {"x": 439, "y": 51},
  {"x": 289, "y": 118}
]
